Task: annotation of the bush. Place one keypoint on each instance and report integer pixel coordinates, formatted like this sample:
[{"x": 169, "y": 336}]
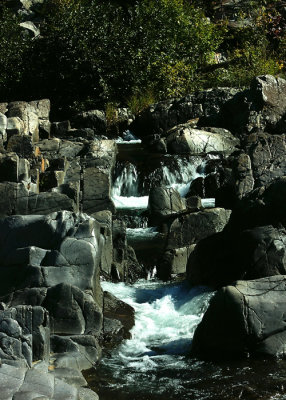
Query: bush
[
  {"x": 108, "y": 53},
  {"x": 14, "y": 45}
]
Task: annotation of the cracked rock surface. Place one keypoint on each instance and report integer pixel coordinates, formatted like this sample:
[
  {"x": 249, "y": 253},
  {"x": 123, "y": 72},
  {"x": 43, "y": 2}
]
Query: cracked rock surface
[{"x": 247, "y": 317}]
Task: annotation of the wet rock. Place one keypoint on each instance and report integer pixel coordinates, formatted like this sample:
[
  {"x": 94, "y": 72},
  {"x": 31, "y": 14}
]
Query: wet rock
[
  {"x": 173, "y": 262},
  {"x": 114, "y": 308},
  {"x": 251, "y": 254},
  {"x": 185, "y": 139},
  {"x": 246, "y": 317},
  {"x": 163, "y": 203},
  {"x": 191, "y": 228}
]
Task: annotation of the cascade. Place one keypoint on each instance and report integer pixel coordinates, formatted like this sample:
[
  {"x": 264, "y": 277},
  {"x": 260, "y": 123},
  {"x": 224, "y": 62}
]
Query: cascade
[
  {"x": 131, "y": 187},
  {"x": 166, "y": 317}
]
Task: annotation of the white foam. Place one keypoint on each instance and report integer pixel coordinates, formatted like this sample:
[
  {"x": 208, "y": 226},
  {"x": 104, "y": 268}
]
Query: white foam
[
  {"x": 208, "y": 203},
  {"x": 166, "y": 317},
  {"x": 131, "y": 202}
]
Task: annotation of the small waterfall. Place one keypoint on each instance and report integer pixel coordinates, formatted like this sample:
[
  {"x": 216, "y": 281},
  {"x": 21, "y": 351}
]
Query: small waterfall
[
  {"x": 181, "y": 175},
  {"x": 131, "y": 187},
  {"x": 126, "y": 183}
]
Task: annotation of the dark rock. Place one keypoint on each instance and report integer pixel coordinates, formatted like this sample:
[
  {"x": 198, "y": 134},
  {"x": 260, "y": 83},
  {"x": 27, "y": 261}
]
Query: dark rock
[
  {"x": 160, "y": 117},
  {"x": 9, "y": 167},
  {"x": 251, "y": 254},
  {"x": 60, "y": 129},
  {"x": 30, "y": 327},
  {"x": 247, "y": 317},
  {"x": 194, "y": 203},
  {"x": 72, "y": 311},
  {"x": 173, "y": 262},
  {"x": 191, "y": 228},
  {"x": 163, "y": 203},
  {"x": 155, "y": 144},
  {"x": 262, "y": 107},
  {"x": 22, "y": 145},
  {"x": 93, "y": 119},
  {"x": 267, "y": 153},
  {"x": 114, "y": 308},
  {"x": 104, "y": 220}
]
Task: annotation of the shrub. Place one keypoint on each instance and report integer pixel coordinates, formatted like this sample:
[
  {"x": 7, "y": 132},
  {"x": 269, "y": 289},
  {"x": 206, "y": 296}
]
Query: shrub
[
  {"x": 14, "y": 45},
  {"x": 108, "y": 53}
]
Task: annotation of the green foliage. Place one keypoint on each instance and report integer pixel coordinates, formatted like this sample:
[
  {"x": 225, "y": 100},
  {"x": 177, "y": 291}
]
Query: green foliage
[
  {"x": 110, "y": 53},
  {"x": 102, "y": 53},
  {"x": 139, "y": 101},
  {"x": 14, "y": 45}
]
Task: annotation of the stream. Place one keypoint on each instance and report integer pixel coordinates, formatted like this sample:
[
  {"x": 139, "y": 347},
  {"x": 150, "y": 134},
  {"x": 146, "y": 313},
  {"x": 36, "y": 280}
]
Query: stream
[{"x": 155, "y": 364}]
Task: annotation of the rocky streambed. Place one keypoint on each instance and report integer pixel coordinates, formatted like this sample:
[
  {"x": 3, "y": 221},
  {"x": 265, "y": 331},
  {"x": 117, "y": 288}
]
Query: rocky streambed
[{"x": 153, "y": 258}]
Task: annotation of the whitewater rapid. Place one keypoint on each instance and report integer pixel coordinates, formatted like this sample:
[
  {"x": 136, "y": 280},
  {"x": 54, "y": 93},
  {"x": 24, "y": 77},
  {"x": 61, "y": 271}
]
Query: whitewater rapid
[{"x": 166, "y": 318}]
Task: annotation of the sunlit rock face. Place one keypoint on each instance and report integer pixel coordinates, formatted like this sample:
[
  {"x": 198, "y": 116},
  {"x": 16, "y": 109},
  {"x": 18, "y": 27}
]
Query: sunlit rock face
[{"x": 245, "y": 317}]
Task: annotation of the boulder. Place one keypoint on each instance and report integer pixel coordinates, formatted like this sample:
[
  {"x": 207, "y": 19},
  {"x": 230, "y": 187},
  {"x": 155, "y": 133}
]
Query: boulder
[
  {"x": 94, "y": 119},
  {"x": 163, "y": 203},
  {"x": 114, "y": 308},
  {"x": 3, "y": 127},
  {"x": 225, "y": 257},
  {"x": 22, "y": 145},
  {"x": 104, "y": 220},
  {"x": 9, "y": 167},
  {"x": 193, "y": 227},
  {"x": 15, "y": 126},
  {"x": 160, "y": 117},
  {"x": 26, "y": 330},
  {"x": 262, "y": 206},
  {"x": 26, "y": 113},
  {"x": 267, "y": 153},
  {"x": 173, "y": 262},
  {"x": 247, "y": 317},
  {"x": 185, "y": 139},
  {"x": 67, "y": 246},
  {"x": 262, "y": 107},
  {"x": 97, "y": 190},
  {"x": 72, "y": 311}
]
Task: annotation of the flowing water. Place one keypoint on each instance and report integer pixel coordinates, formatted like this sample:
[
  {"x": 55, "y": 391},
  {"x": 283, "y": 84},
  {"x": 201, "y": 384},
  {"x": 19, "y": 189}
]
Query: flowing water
[
  {"x": 131, "y": 186},
  {"x": 155, "y": 364}
]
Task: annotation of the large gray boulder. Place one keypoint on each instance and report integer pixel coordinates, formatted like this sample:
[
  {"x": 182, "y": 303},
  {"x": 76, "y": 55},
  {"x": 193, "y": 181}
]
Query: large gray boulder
[
  {"x": 160, "y": 117},
  {"x": 163, "y": 203},
  {"x": 49, "y": 250},
  {"x": 267, "y": 153},
  {"x": 250, "y": 254},
  {"x": 184, "y": 139},
  {"x": 191, "y": 228},
  {"x": 247, "y": 317},
  {"x": 262, "y": 108}
]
